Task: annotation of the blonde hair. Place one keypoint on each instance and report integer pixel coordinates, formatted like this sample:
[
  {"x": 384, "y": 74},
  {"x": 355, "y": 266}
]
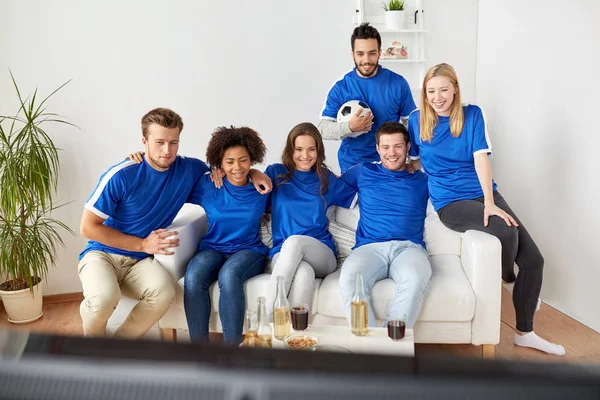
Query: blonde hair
[{"x": 429, "y": 117}]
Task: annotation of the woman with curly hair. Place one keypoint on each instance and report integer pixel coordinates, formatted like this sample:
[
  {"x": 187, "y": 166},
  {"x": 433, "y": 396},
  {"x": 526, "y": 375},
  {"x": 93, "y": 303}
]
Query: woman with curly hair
[
  {"x": 231, "y": 251},
  {"x": 303, "y": 189}
]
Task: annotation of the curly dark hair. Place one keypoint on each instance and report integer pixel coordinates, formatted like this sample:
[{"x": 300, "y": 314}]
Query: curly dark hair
[{"x": 224, "y": 138}]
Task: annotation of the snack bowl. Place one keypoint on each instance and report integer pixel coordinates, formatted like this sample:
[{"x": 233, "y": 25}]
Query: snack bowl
[{"x": 301, "y": 341}]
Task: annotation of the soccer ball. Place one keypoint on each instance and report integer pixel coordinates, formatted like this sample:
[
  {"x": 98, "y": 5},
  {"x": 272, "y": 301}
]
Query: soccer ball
[{"x": 348, "y": 109}]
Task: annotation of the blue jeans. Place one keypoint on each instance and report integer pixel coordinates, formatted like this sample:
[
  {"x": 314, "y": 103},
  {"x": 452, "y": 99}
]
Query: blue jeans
[
  {"x": 405, "y": 262},
  {"x": 231, "y": 271}
]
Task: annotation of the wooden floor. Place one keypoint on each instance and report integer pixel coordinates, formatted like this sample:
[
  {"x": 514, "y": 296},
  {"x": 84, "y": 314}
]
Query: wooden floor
[{"x": 581, "y": 343}]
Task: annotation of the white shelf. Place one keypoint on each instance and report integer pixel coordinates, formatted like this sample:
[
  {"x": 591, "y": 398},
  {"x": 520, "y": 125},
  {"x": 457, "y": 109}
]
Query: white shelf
[
  {"x": 402, "y": 30},
  {"x": 401, "y": 60}
]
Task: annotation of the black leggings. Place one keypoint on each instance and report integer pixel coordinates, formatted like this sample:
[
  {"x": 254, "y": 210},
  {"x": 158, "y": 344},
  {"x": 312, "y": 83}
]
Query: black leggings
[{"x": 517, "y": 246}]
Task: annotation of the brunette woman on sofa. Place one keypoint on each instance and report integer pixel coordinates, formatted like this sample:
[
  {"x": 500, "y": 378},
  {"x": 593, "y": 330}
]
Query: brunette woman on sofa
[{"x": 303, "y": 190}]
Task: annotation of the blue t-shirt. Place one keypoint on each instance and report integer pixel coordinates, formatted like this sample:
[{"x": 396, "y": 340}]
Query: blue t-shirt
[
  {"x": 449, "y": 161},
  {"x": 389, "y": 97},
  {"x": 393, "y": 204},
  {"x": 297, "y": 207},
  {"x": 233, "y": 214},
  {"x": 136, "y": 199}
]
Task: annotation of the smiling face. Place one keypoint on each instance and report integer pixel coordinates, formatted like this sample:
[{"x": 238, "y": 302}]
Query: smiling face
[
  {"x": 305, "y": 152},
  {"x": 392, "y": 150},
  {"x": 236, "y": 164},
  {"x": 161, "y": 146},
  {"x": 366, "y": 55},
  {"x": 440, "y": 94}
]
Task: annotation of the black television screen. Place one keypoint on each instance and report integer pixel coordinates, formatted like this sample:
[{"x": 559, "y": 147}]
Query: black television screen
[{"x": 55, "y": 367}]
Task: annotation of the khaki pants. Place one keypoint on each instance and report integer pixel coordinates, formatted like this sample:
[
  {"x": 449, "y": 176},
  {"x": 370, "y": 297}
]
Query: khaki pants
[{"x": 104, "y": 276}]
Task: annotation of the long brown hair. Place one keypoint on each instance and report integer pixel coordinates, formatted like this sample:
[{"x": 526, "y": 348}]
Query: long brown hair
[
  {"x": 287, "y": 157},
  {"x": 429, "y": 117}
]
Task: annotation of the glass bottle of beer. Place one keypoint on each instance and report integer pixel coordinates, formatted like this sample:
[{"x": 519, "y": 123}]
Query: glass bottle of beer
[
  {"x": 251, "y": 336},
  {"x": 359, "y": 310},
  {"x": 281, "y": 311},
  {"x": 264, "y": 331}
]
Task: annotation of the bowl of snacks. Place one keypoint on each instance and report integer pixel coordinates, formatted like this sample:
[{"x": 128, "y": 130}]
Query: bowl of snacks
[{"x": 301, "y": 341}]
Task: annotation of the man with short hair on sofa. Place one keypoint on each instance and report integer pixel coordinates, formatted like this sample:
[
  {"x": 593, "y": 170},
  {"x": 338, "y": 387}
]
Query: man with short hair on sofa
[
  {"x": 389, "y": 236},
  {"x": 125, "y": 219}
]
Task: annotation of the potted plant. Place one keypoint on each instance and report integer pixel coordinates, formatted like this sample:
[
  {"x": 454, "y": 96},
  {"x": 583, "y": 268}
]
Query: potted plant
[
  {"x": 394, "y": 14},
  {"x": 29, "y": 236}
]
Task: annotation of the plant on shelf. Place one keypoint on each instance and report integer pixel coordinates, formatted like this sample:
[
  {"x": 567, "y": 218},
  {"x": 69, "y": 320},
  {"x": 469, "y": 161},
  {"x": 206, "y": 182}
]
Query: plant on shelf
[
  {"x": 29, "y": 236},
  {"x": 394, "y": 14},
  {"x": 394, "y": 5}
]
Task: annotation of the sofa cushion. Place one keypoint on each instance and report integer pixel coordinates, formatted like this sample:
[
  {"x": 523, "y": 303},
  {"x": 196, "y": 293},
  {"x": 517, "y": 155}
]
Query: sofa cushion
[
  {"x": 344, "y": 239},
  {"x": 449, "y": 295},
  {"x": 266, "y": 233},
  {"x": 254, "y": 288},
  {"x": 347, "y": 217},
  {"x": 439, "y": 239}
]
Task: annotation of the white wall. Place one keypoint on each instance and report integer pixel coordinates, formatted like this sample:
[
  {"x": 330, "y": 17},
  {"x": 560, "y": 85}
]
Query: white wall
[
  {"x": 264, "y": 63},
  {"x": 537, "y": 72}
]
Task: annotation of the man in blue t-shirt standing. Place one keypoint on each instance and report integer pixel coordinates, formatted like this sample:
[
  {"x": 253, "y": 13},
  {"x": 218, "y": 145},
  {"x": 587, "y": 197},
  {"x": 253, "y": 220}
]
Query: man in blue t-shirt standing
[
  {"x": 389, "y": 236},
  {"x": 124, "y": 219},
  {"x": 386, "y": 93}
]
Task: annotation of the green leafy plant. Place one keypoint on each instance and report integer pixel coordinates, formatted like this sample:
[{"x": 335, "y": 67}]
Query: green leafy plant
[
  {"x": 394, "y": 5},
  {"x": 29, "y": 167}
]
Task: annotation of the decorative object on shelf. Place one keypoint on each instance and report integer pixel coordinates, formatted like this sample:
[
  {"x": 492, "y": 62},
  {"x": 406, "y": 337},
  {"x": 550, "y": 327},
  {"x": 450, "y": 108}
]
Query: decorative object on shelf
[
  {"x": 29, "y": 236},
  {"x": 394, "y": 14},
  {"x": 396, "y": 51}
]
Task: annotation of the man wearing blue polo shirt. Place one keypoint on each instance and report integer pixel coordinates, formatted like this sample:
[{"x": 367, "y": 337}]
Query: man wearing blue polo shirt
[
  {"x": 124, "y": 219},
  {"x": 389, "y": 237},
  {"x": 386, "y": 93}
]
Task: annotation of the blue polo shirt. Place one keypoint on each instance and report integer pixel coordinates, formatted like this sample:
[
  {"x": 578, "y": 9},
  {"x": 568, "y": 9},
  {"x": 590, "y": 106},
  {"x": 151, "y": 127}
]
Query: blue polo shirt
[
  {"x": 297, "y": 207},
  {"x": 233, "y": 214},
  {"x": 449, "y": 161},
  {"x": 393, "y": 204},
  {"x": 389, "y": 97},
  {"x": 136, "y": 199}
]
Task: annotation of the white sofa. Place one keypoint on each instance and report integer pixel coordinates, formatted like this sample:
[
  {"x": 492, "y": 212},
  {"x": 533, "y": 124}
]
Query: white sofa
[{"x": 462, "y": 304}]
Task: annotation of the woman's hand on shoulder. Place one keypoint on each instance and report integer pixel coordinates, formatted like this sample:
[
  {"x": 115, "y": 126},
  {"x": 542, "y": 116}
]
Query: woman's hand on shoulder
[
  {"x": 216, "y": 177},
  {"x": 138, "y": 156}
]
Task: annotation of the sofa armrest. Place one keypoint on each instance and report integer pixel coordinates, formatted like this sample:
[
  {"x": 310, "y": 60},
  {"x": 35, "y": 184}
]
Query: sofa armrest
[
  {"x": 481, "y": 259},
  {"x": 191, "y": 223}
]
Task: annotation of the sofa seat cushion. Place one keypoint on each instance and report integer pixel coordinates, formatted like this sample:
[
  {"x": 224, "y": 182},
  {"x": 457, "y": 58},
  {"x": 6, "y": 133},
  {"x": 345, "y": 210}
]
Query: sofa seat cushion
[
  {"x": 253, "y": 288},
  {"x": 449, "y": 295}
]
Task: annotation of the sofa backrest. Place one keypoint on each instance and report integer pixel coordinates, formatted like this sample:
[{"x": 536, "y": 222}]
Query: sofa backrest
[{"x": 438, "y": 239}]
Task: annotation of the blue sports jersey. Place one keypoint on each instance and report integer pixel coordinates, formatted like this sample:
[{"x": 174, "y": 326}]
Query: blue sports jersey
[
  {"x": 136, "y": 199},
  {"x": 393, "y": 204},
  {"x": 389, "y": 97},
  {"x": 233, "y": 214},
  {"x": 449, "y": 161},
  {"x": 297, "y": 207}
]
